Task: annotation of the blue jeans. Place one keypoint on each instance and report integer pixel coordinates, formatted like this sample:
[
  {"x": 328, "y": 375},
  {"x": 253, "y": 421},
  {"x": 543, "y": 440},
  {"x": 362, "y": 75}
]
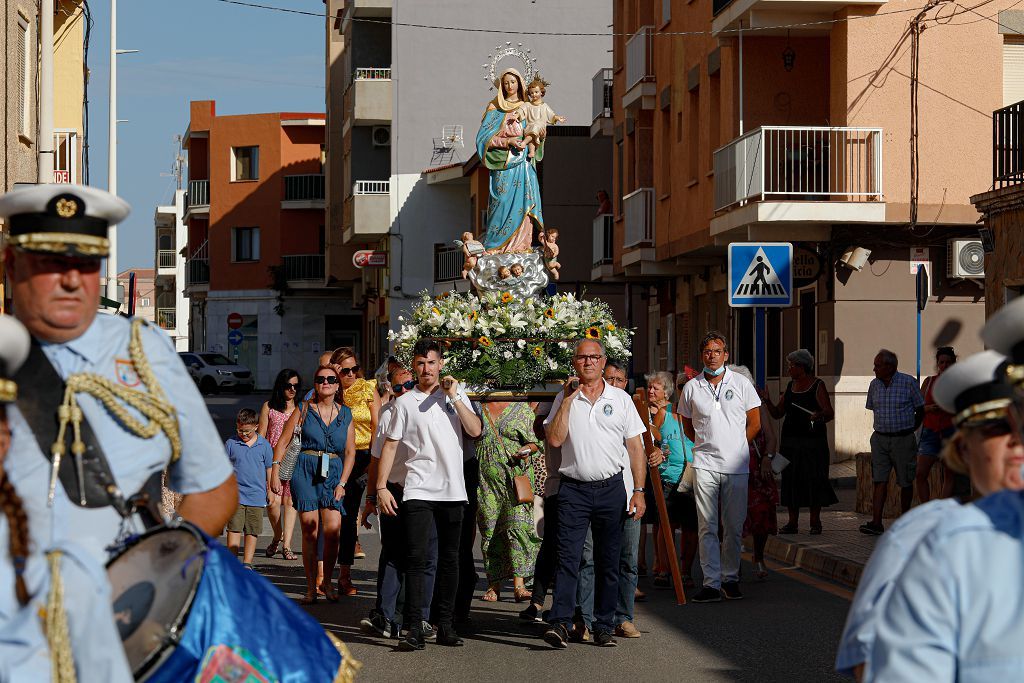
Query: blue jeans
[
  {"x": 628, "y": 556},
  {"x": 582, "y": 505}
]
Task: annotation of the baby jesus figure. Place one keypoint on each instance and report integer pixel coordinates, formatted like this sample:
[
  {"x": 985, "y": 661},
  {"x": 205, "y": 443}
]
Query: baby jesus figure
[
  {"x": 549, "y": 244},
  {"x": 471, "y": 249},
  {"x": 536, "y": 115}
]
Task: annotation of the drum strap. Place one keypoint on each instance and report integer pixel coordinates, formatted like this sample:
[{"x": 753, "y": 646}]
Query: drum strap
[{"x": 97, "y": 487}]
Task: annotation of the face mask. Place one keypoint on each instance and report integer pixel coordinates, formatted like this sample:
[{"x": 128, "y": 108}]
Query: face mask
[{"x": 714, "y": 373}]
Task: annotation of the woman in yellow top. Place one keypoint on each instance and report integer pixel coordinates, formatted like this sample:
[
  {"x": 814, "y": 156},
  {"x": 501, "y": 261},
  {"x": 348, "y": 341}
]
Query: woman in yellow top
[{"x": 361, "y": 397}]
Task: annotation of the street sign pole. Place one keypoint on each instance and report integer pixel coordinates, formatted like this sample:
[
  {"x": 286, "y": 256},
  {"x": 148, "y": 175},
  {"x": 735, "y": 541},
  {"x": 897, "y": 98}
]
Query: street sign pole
[
  {"x": 921, "y": 290},
  {"x": 761, "y": 372}
]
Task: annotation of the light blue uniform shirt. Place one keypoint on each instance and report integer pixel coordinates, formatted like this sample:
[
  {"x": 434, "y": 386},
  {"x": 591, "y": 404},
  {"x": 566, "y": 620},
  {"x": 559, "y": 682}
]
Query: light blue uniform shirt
[
  {"x": 887, "y": 563},
  {"x": 103, "y": 350},
  {"x": 957, "y": 613}
]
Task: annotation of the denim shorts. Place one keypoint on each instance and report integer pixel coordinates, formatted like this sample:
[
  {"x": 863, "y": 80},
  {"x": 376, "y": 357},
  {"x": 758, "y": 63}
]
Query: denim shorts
[{"x": 931, "y": 441}]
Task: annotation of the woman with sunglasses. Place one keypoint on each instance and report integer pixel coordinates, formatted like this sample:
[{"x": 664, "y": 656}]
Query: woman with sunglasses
[
  {"x": 321, "y": 473},
  {"x": 984, "y": 448},
  {"x": 273, "y": 416},
  {"x": 361, "y": 397}
]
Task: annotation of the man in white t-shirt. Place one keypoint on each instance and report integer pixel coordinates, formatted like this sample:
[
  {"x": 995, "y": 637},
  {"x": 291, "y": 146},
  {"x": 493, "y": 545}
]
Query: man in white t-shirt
[
  {"x": 720, "y": 415},
  {"x": 590, "y": 423},
  {"x": 428, "y": 422}
]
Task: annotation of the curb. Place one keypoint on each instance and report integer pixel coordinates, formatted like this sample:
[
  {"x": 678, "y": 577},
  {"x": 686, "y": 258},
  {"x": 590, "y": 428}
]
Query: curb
[
  {"x": 815, "y": 561},
  {"x": 843, "y": 482}
]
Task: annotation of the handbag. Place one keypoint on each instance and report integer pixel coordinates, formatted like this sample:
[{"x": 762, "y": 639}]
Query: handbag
[
  {"x": 291, "y": 454},
  {"x": 522, "y": 487},
  {"x": 687, "y": 480},
  {"x": 779, "y": 463}
]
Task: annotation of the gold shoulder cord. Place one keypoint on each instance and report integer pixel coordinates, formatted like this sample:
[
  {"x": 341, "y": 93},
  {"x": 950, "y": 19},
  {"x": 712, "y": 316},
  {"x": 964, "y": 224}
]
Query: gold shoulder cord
[
  {"x": 62, "y": 664},
  {"x": 153, "y": 404}
]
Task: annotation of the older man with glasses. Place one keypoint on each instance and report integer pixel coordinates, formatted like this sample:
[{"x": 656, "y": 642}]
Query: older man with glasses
[{"x": 591, "y": 421}]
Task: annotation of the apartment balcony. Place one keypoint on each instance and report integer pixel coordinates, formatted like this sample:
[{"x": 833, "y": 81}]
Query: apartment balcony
[
  {"x": 448, "y": 262},
  {"x": 368, "y": 98},
  {"x": 167, "y": 318},
  {"x": 303, "y": 191},
  {"x": 602, "y": 123},
  {"x": 304, "y": 268},
  {"x": 786, "y": 175},
  {"x": 806, "y": 17},
  {"x": 638, "y": 212},
  {"x": 640, "y": 85},
  {"x": 197, "y": 268},
  {"x": 197, "y": 200},
  {"x": 368, "y": 211},
  {"x": 1008, "y": 146},
  {"x": 369, "y": 8},
  {"x": 603, "y": 241}
]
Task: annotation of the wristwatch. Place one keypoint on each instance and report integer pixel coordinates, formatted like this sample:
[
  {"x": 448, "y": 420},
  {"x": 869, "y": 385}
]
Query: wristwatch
[
  {"x": 341, "y": 484},
  {"x": 639, "y": 490}
]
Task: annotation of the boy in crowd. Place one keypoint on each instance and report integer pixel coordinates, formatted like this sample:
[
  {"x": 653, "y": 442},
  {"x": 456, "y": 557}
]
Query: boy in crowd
[{"x": 252, "y": 457}]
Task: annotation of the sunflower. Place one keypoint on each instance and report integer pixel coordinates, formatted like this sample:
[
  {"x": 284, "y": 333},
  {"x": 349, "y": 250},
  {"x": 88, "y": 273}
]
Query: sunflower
[
  {"x": 593, "y": 332},
  {"x": 610, "y": 327},
  {"x": 485, "y": 342},
  {"x": 506, "y": 297},
  {"x": 538, "y": 351},
  {"x": 549, "y": 313},
  {"x": 435, "y": 311}
]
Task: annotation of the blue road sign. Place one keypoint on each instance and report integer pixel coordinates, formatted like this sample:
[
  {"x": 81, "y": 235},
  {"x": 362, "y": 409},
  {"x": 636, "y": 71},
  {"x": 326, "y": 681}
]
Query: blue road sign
[
  {"x": 235, "y": 337},
  {"x": 760, "y": 274}
]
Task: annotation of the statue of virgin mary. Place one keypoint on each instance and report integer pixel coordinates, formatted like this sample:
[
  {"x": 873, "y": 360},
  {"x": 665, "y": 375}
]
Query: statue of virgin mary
[{"x": 514, "y": 207}]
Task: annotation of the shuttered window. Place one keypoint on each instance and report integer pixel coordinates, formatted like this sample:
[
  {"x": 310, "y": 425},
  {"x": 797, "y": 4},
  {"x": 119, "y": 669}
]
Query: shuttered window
[
  {"x": 1013, "y": 69},
  {"x": 24, "y": 84}
]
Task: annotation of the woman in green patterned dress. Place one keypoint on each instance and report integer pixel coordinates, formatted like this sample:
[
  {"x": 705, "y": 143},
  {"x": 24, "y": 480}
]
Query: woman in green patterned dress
[{"x": 508, "y": 541}]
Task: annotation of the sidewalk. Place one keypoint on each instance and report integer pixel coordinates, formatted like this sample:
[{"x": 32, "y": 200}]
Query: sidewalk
[{"x": 841, "y": 551}]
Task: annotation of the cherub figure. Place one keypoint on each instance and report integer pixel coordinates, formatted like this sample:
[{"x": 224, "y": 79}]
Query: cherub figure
[
  {"x": 517, "y": 269},
  {"x": 549, "y": 244},
  {"x": 504, "y": 272},
  {"x": 471, "y": 249},
  {"x": 536, "y": 115}
]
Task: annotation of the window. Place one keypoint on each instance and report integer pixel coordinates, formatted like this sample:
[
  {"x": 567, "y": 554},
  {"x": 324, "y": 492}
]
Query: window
[
  {"x": 65, "y": 163},
  {"x": 245, "y": 163},
  {"x": 245, "y": 244},
  {"x": 619, "y": 163},
  {"x": 693, "y": 133},
  {"x": 24, "y": 74},
  {"x": 144, "y": 301},
  {"x": 714, "y": 122}
]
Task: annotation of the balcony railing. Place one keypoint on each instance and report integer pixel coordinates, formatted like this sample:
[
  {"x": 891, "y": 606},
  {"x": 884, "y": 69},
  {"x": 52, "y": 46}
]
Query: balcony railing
[
  {"x": 638, "y": 211},
  {"x": 373, "y": 74},
  {"x": 604, "y": 226},
  {"x": 1008, "y": 145},
  {"x": 638, "y": 57},
  {"x": 197, "y": 266},
  {"x": 800, "y": 164},
  {"x": 448, "y": 262},
  {"x": 308, "y": 267},
  {"x": 199, "y": 193},
  {"x": 602, "y": 98},
  {"x": 308, "y": 187},
  {"x": 166, "y": 258},
  {"x": 167, "y": 318},
  {"x": 372, "y": 187}
]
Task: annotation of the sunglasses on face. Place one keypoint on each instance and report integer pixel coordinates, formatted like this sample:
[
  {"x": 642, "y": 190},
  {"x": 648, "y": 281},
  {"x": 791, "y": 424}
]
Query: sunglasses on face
[
  {"x": 404, "y": 386},
  {"x": 326, "y": 379},
  {"x": 291, "y": 386},
  {"x": 245, "y": 432},
  {"x": 349, "y": 371}
]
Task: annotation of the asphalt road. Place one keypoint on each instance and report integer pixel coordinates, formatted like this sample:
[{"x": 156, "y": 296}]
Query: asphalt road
[{"x": 786, "y": 629}]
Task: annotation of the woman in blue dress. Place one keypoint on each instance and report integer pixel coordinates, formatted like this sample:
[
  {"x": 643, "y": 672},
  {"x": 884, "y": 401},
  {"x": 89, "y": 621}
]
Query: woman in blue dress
[{"x": 318, "y": 482}]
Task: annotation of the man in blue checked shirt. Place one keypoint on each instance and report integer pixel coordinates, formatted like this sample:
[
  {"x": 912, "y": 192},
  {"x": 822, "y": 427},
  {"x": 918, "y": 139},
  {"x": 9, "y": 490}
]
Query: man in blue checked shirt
[{"x": 898, "y": 408}]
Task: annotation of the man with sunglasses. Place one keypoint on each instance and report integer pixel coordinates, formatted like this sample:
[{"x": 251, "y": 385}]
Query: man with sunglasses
[{"x": 591, "y": 421}]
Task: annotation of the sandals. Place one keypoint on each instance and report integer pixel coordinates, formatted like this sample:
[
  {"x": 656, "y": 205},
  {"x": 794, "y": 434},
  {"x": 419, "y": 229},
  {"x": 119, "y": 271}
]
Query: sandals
[
  {"x": 789, "y": 529},
  {"x": 308, "y": 599},
  {"x": 272, "y": 548},
  {"x": 521, "y": 594},
  {"x": 328, "y": 593},
  {"x": 287, "y": 554},
  {"x": 762, "y": 571},
  {"x": 490, "y": 595}
]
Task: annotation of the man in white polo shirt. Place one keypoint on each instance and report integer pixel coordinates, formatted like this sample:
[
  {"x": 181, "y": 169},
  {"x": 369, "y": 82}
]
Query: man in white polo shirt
[
  {"x": 590, "y": 423},
  {"x": 720, "y": 416},
  {"x": 429, "y": 423}
]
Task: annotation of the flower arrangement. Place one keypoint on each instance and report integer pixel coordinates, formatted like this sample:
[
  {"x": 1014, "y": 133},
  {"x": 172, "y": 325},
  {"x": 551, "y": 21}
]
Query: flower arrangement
[{"x": 497, "y": 340}]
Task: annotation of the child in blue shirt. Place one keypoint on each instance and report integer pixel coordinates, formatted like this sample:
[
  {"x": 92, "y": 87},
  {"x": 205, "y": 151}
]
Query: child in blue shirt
[{"x": 252, "y": 457}]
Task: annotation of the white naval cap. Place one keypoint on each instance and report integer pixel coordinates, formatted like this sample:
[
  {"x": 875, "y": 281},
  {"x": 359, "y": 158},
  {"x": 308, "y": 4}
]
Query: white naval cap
[
  {"x": 974, "y": 387},
  {"x": 62, "y": 219},
  {"x": 1004, "y": 331},
  {"x": 14, "y": 347}
]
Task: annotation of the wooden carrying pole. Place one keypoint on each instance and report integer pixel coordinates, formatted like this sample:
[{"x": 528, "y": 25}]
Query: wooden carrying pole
[{"x": 654, "y": 481}]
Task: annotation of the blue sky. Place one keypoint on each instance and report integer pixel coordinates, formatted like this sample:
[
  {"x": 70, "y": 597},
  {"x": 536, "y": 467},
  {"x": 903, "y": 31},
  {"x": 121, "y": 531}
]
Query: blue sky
[{"x": 248, "y": 60}]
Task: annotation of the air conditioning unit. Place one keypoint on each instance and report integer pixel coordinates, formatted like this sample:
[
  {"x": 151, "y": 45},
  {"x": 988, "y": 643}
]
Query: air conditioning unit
[
  {"x": 381, "y": 136},
  {"x": 966, "y": 259}
]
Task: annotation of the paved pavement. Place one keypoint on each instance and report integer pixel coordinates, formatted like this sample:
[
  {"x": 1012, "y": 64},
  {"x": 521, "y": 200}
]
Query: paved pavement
[{"x": 785, "y": 630}]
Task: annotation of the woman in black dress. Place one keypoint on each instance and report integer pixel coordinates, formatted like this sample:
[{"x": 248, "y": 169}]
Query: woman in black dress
[{"x": 804, "y": 441}]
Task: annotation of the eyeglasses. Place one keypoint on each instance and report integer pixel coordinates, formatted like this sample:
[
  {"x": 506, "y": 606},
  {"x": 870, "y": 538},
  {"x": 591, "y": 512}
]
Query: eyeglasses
[
  {"x": 245, "y": 432},
  {"x": 349, "y": 371},
  {"x": 712, "y": 352},
  {"x": 404, "y": 386},
  {"x": 325, "y": 379},
  {"x": 291, "y": 386},
  {"x": 592, "y": 358}
]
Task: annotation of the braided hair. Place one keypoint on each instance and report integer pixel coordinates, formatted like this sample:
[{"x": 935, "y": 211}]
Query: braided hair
[{"x": 17, "y": 521}]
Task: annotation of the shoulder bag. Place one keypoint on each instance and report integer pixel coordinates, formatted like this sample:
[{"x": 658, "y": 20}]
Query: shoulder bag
[
  {"x": 522, "y": 489},
  {"x": 291, "y": 454}
]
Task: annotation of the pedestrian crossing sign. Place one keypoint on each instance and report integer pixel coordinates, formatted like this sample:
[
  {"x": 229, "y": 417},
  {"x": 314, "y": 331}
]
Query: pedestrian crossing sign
[{"x": 760, "y": 274}]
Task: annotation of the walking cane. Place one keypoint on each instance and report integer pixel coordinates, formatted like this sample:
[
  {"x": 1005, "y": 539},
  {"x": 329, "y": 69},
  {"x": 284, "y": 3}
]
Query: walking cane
[{"x": 654, "y": 478}]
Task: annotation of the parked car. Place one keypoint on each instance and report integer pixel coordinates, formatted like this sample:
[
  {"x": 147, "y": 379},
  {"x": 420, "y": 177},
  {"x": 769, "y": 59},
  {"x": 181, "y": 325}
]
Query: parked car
[{"x": 213, "y": 372}]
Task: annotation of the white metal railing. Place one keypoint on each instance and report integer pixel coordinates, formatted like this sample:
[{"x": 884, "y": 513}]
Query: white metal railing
[
  {"x": 448, "y": 262},
  {"x": 638, "y": 212},
  {"x": 166, "y": 318},
  {"x": 305, "y": 187},
  {"x": 373, "y": 74},
  {"x": 303, "y": 266},
  {"x": 372, "y": 187},
  {"x": 805, "y": 163},
  {"x": 166, "y": 258},
  {"x": 604, "y": 226},
  {"x": 638, "y": 57},
  {"x": 602, "y": 94},
  {"x": 199, "y": 193}
]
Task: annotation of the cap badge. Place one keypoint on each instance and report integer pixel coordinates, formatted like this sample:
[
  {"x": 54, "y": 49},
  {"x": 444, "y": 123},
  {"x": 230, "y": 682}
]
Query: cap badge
[{"x": 66, "y": 208}]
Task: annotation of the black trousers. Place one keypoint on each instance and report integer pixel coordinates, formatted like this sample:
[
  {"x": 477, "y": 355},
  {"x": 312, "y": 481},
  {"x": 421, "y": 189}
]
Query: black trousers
[
  {"x": 447, "y": 518},
  {"x": 467, "y": 565},
  {"x": 547, "y": 557},
  {"x": 354, "y": 488}
]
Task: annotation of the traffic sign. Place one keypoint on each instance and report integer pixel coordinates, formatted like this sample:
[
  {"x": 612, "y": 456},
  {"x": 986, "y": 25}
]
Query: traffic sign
[
  {"x": 366, "y": 258},
  {"x": 234, "y": 321},
  {"x": 235, "y": 337},
  {"x": 760, "y": 274}
]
